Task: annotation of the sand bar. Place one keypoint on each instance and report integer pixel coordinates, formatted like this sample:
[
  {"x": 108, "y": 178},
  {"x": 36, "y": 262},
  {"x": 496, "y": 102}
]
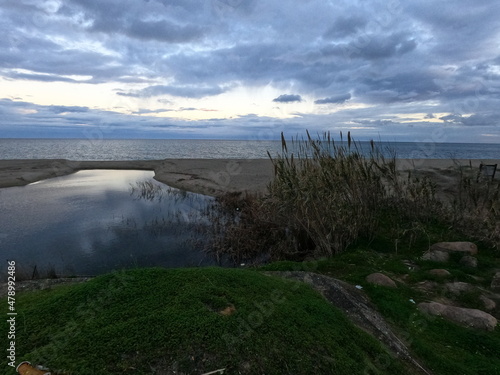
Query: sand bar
[{"x": 205, "y": 176}]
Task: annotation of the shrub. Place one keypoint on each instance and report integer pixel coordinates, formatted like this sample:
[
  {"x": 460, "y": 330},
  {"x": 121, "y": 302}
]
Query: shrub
[{"x": 325, "y": 196}]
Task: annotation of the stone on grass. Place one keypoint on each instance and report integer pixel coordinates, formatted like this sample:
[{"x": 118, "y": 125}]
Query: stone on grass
[
  {"x": 381, "y": 279},
  {"x": 440, "y": 272},
  {"x": 472, "y": 318},
  {"x": 468, "y": 261},
  {"x": 488, "y": 303},
  {"x": 458, "y": 287},
  {"x": 495, "y": 283},
  {"x": 436, "y": 256},
  {"x": 427, "y": 286},
  {"x": 452, "y": 247}
]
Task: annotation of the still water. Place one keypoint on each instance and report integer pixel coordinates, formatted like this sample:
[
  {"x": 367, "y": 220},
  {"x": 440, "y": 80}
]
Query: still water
[{"x": 96, "y": 221}]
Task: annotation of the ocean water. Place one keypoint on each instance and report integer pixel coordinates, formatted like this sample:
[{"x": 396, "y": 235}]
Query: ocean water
[{"x": 156, "y": 149}]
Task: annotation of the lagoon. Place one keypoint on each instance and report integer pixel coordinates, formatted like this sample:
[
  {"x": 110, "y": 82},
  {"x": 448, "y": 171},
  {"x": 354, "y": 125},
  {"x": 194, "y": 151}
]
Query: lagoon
[{"x": 95, "y": 221}]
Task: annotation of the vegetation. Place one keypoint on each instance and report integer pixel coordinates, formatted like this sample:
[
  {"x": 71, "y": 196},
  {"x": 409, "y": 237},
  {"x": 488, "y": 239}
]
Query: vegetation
[
  {"x": 190, "y": 321},
  {"x": 333, "y": 209},
  {"x": 443, "y": 347},
  {"x": 328, "y": 196}
]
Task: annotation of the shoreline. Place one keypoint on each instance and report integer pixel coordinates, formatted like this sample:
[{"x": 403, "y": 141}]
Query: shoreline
[{"x": 212, "y": 177}]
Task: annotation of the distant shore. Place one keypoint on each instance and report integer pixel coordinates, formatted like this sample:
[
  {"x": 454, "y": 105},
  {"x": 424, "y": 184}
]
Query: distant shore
[{"x": 205, "y": 176}]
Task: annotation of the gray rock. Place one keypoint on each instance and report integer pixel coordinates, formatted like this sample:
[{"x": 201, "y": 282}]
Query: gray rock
[
  {"x": 427, "y": 286},
  {"x": 458, "y": 287},
  {"x": 472, "y": 318},
  {"x": 469, "y": 261},
  {"x": 489, "y": 304},
  {"x": 451, "y": 247},
  {"x": 441, "y": 272},
  {"x": 436, "y": 256},
  {"x": 495, "y": 283},
  {"x": 381, "y": 279}
]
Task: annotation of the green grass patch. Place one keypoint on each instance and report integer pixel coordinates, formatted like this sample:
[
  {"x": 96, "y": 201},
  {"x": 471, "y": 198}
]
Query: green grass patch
[
  {"x": 146, "y": 320},
  {"x": 446, "y": 348},
  {"x": 443, "y": 347}
]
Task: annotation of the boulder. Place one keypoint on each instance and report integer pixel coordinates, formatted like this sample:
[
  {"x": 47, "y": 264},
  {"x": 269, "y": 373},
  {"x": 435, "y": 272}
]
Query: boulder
[
  {"x": 436, "y": 256},
  {"x": 468, "y": 261},
  {"x": 495, "y": 283},
  {"x": 440, "y": 272},
  {"x": 381, "y": 279},
  {"x": 427, "y": 286},
  {"x": 455, "y": 247},
  {"x": 472, "y": 318},
  {"x": 489, "y": 304},
  {"x": 458, "y": 287}
]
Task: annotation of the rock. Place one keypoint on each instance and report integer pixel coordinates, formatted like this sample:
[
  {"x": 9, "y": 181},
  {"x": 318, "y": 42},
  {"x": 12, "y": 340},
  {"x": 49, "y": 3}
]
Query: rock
[
  {"x": 228, "y": 310},
  {"x": 436, "y": 256},
  {"x": 381, "y": 279},
  {"x": 472, "y": 318},
  {"x": 452, "y": 247},
  {"x": 411, "y": 265},
  {"x": 458, "y": 287},
  {"x": 427, "y": 286},
  {"x": 468, "y": 261},
  {"x": 440, "y": 272},
  {"x": 495, "y": 283},
  {"x": 489, "y": 304}
]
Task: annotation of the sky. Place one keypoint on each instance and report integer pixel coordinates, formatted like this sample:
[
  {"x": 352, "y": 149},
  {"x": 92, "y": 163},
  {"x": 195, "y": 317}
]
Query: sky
[{"x": 424, "y": 71}]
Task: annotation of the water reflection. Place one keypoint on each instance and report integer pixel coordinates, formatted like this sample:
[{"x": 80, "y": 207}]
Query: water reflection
[{"x": 96, "y": 221}]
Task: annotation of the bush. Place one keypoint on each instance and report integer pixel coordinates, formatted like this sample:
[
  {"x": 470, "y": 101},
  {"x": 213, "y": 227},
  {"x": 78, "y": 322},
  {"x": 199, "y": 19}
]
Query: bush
[{"x": 325, "y": 196}]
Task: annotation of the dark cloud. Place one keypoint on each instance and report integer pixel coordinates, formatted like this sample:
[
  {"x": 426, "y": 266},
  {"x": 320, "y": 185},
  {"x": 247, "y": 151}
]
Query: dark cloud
[
  {"x": 39, "y": 77},
  {"x": 483, "y": 119},
  {"x": 345, "y": 26},
  {"x": 394, "y": 58},
  {"x": 190, "y": 91},
  {"x": 374, "y": 47},
  {"x": 418, "y": 85},
  {"x": 64, "y": 109},
  {"x": 287, "y": 98},
  {"x": 339, "y": 99},
  {"x": 163, "y": 31}
]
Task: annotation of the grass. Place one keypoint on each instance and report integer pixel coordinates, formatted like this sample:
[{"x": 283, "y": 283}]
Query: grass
[
  {"x": 327, "y": 197},
  {"x": 443, "y": 347},
  {"x": 146, "y": 321},
  {"x": 330, "y": 210}
]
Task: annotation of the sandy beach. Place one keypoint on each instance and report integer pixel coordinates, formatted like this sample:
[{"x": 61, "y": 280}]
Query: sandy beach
[{"x": 207, "y": 176}]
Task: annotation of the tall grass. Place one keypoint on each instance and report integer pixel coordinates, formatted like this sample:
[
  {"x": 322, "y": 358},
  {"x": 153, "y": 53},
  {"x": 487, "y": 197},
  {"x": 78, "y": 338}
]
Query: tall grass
[
  {"x": 328, "y": 195},
  {"x": 476, "y": 206}
]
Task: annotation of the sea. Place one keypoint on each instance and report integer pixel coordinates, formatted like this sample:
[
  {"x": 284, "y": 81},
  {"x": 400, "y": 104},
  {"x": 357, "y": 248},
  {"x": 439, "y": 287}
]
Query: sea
[{"x": 158, "y": 149}]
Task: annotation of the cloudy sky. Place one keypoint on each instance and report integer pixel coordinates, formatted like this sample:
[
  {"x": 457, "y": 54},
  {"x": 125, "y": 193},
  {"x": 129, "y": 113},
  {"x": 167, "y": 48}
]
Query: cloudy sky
[{"x": 412, "y": 70}]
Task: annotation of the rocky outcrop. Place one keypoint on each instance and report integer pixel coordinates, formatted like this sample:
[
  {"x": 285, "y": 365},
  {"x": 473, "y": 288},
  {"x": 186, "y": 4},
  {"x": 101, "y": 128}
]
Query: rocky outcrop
[
  {"x": 455, "y": 247},
  {"x": 440, "y": 272},
  {"x": 436, "y": 256},
  {"x": 458, "y": 287},
  {"x": 440, "y": 252},
  {"x": 471, "y": 318},
  {"x": 489, "y": 304},
  {"x": 468, "y": 261},
  {"x": 381, "y": 279}
]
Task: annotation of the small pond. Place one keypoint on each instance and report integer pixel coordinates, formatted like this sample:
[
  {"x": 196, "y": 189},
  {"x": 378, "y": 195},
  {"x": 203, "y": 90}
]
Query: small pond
[{"x": 95, "y": 221}]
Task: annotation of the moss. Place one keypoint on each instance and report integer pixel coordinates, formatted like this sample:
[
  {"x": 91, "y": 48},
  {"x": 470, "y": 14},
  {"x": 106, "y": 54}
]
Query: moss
[{"x": 135, "y": 320}]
